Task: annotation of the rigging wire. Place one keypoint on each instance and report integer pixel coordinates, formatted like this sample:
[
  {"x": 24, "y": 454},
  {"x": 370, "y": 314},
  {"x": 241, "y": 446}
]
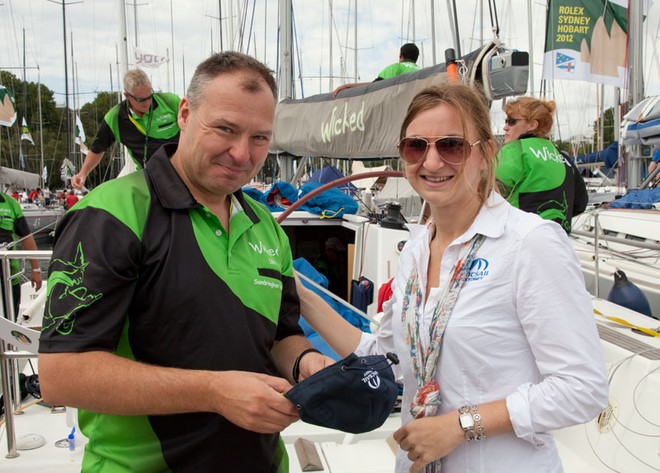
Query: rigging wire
[
  {"x": 298, "y": 55},
  {"x": 614, "y": 369},
  {"x": 494, "y": 20},
  {"x": 247, "y": 48}
]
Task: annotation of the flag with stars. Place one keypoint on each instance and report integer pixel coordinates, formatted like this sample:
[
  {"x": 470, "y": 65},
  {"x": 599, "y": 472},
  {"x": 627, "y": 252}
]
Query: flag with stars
[{"x": 586, "y": 40}]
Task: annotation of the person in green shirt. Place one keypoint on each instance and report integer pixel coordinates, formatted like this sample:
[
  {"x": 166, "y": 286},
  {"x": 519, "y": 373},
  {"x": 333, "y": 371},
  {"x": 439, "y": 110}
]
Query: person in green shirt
[
  {"x": 408, "y": 55},
  {"x": 532, "y": 173},
  {"x": 171, "y": 318},
  {"x": 142, "y": 122},
  {"x": 12, "y": 225}
]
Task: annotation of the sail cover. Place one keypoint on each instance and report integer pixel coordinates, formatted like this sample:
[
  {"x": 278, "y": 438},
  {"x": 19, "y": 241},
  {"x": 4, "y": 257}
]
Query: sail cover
[
  {"x": 16, "y": 179},
  {"x": 641, "y": 125},
  {"x": 361, "y": 122}
]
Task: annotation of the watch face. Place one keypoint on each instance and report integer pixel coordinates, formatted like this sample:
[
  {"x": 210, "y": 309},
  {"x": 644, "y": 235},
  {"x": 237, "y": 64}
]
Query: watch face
[{"x": 466, "y": 421}]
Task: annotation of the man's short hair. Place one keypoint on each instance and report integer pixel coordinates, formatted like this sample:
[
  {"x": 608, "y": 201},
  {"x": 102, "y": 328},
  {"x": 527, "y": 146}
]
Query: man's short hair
[
  {"x": 227, "y": 62},
  {"x": 410, "y": 52},
  {"x": 135, "y": 78}
]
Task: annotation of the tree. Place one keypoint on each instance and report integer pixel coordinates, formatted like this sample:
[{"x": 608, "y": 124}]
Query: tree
[
  {"x": 52, "y": 126},
  {"x": 608, "y": 129},
  {"x": 26, "y": 95}
]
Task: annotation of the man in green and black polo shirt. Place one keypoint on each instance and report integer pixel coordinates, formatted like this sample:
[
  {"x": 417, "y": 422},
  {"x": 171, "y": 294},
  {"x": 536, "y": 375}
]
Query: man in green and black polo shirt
[
  {"x": 143, "y": 122},
  {"x": 13, "y": 224},
  {"x": 172, "y": 315}
]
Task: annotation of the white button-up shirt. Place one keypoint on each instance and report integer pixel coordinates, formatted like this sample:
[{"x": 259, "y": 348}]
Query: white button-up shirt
[{"x": 522, "y": 329}]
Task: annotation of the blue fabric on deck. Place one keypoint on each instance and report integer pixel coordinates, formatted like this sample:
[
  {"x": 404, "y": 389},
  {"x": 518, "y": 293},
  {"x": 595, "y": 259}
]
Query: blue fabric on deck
[
  {"x": 331, "y": 203},
  {"x": 256, "y": 194},
  {"x": 305, "y": 267},
  {"x": 642, "y": 199},
  {"x": 280, "y": 192}
]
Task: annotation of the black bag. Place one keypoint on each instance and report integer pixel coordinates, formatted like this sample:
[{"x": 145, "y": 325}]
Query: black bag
[{"x": 362, "y": 293}]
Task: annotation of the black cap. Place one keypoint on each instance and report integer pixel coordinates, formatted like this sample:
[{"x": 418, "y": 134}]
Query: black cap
[{"x": 355, "y": 395}]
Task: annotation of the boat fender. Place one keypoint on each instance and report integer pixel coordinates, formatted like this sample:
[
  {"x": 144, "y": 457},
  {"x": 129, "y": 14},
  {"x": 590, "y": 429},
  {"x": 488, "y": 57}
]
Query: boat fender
[
  {"x": 29, "y": 385},
  {"x": 627, "y": 294}
]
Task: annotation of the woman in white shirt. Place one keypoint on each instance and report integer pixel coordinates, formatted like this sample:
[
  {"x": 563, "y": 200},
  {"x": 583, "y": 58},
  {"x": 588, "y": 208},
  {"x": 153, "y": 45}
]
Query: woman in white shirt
[{"x": 489, "y": 314}]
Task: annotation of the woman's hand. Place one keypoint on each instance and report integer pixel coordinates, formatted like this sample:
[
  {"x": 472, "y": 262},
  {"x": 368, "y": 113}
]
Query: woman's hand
[{"x": 429, "y": 439}]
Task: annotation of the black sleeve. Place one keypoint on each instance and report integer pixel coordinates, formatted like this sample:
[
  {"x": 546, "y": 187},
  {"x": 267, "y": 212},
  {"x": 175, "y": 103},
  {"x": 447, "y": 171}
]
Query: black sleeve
[
  {"x": 103, "y": 140},
  {"x": 581, "y": 199},
  {"x": 92, "y": 277},
  {"x": 287, "y": 324},
  {"x": 21, "y": 227}
]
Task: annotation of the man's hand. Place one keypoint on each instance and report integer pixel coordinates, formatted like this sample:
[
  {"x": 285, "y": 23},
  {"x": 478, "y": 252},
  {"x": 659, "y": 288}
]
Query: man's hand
[
  {"x": 78, "y": 181},
  {"x": 36, "y": 279},
  {"x": 253, "y": 401}
]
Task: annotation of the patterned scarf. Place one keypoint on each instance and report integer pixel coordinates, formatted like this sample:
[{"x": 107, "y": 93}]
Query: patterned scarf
[{"x": 424, "y": 361}]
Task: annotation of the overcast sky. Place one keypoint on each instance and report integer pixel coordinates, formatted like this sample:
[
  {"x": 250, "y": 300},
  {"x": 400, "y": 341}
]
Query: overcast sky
[{"x": 93, "y": 27}]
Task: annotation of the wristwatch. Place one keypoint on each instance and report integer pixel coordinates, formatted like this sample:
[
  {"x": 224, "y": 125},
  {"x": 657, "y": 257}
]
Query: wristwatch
[{"x": 466, "y": 422}]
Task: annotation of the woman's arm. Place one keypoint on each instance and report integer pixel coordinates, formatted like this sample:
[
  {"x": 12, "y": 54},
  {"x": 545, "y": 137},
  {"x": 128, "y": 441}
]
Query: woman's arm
[{"x": 342, "y": 337}]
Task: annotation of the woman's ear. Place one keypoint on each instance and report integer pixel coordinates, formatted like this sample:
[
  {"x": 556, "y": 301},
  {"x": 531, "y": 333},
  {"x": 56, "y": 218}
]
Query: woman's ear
[{"x": 533, "y": 125}]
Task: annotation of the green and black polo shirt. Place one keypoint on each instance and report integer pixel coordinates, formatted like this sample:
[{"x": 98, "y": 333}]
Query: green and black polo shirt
[
  {"x": 536, "y": 177},
  {"x": 155, "y": 128},
  {"x": 139, "y": 268},
  {"x": 12, "y": 223}
]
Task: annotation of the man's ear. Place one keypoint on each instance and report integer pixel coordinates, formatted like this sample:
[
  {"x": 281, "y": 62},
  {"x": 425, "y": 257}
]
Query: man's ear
[{"x": 184, "y": 113}]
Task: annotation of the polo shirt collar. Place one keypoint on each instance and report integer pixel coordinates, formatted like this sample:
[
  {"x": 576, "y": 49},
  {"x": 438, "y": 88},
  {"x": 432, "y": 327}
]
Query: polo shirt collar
[{"x": 169, "y": 188}]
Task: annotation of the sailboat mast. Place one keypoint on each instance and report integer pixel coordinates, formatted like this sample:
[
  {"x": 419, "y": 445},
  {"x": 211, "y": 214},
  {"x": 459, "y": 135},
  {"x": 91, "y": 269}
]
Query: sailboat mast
[
  {"x": 124, "y": 41},
  {"x": 433, "y": 39},
  {"x": 20, "y": 139},
  {"x": 286, "y": 47},
  {"x": 67, "y": 122},
  {"x": 330, "y": 72},
  {"x": 530, "y": 31},
  {"x": 41, "y": 131},
  {"x": 636, "y": 79}
]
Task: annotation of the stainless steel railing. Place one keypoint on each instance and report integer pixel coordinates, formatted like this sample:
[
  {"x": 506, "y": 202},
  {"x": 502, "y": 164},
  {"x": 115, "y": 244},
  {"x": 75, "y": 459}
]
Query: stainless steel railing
[{"x": 9, "y": 356}]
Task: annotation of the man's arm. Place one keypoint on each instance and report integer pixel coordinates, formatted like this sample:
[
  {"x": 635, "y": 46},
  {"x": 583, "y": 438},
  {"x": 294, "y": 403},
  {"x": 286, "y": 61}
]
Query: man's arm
[
  {"x": 91, "y": 161},
  {"x": 347, "y": 86},
  {"x": 107, "y": 383},
  {"x": 36, "y": 277}
]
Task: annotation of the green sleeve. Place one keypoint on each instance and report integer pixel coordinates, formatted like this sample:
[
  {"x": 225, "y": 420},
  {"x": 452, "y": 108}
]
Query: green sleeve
[
  {"x": 172, "y": 100},
  {"x": 15, "y": 206},
  {"x": 510, "y": 169}
]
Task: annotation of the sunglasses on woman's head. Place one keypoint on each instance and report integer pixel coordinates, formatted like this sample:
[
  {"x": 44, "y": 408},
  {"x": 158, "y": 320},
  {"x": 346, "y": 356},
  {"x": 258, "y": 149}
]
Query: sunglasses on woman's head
[
  {"x": 452, "y": 149},
  {"x": 512, "y": 121}
]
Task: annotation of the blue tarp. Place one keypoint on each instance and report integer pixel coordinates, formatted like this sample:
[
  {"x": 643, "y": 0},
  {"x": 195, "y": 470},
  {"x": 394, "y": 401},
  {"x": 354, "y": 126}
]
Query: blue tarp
[
  {"x": 305, "y": 267},
  {"x": 637, "y": 199},
  {"x": 330, "y": 173},
  {"x": 331, "y": 203},
  {"x": 280, "y": 196}
]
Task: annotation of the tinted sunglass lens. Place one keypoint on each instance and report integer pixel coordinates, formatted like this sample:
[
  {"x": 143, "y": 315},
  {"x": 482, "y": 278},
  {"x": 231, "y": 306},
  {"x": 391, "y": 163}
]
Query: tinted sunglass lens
[
  {"x": 413, "y": 149},
  {"x": 451, "y": 149},
  {"x": 511, "y": 121}
]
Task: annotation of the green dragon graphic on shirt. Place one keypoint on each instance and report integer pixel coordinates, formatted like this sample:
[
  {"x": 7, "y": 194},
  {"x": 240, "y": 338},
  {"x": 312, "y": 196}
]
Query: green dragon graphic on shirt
[{"x": 66, "y": 293}]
